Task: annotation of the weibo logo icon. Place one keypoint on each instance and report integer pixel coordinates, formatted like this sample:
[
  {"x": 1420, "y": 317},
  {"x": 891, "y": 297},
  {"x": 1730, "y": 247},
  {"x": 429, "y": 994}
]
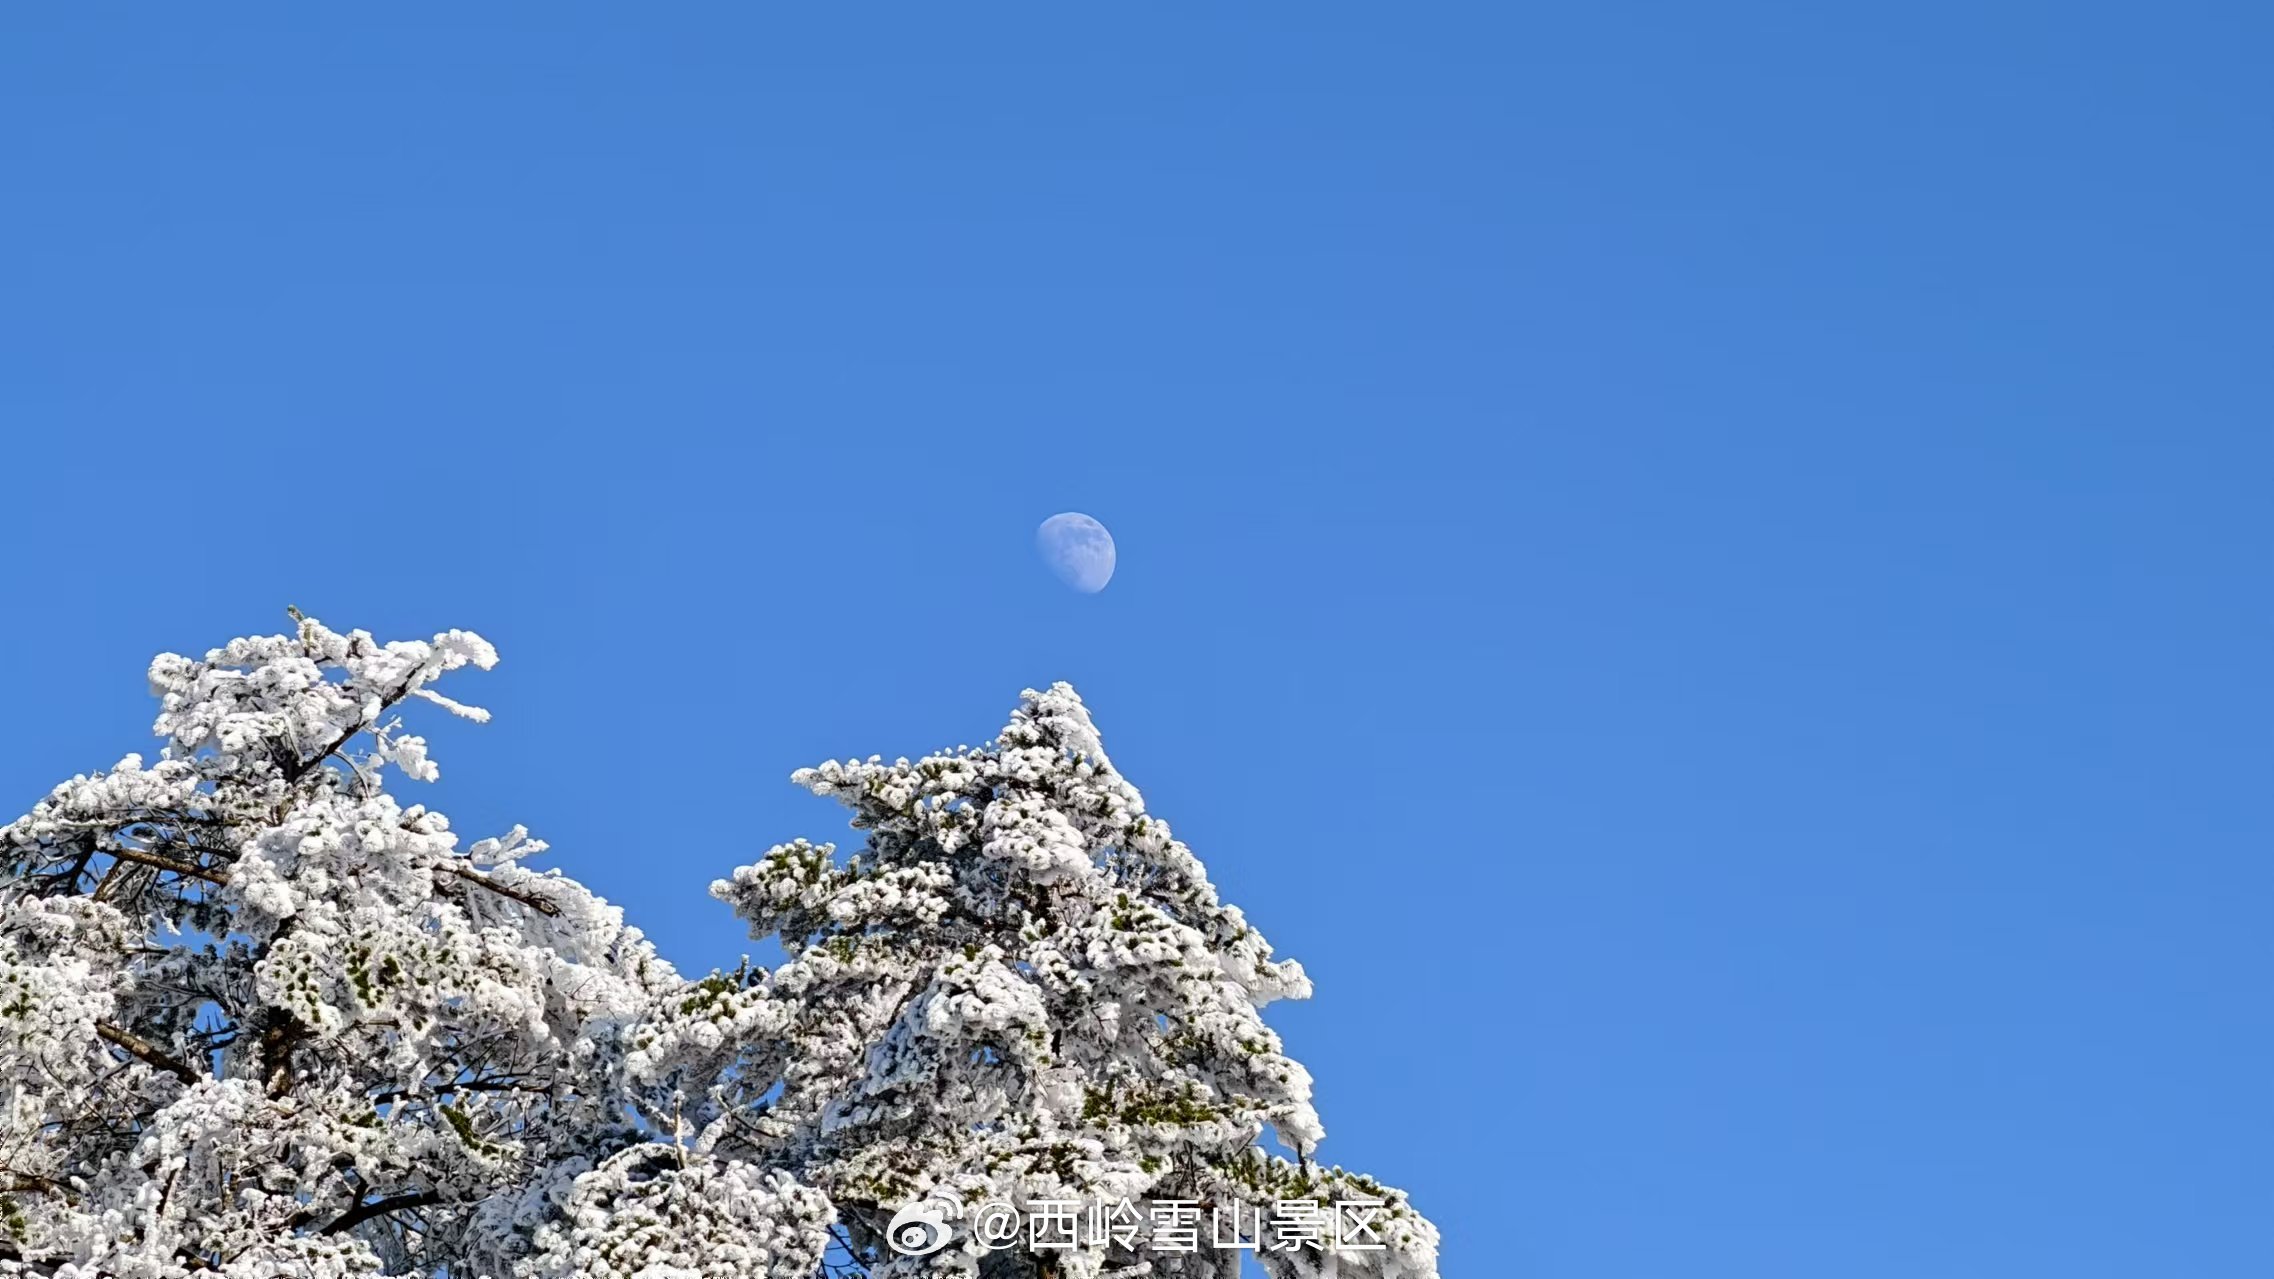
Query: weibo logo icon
[{"x": 920, "y": 1229}]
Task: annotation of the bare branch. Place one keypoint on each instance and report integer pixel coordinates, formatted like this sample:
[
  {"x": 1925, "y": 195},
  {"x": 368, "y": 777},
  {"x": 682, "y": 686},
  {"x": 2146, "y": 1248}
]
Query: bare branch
[
  {"x": 147, "y": 1051},
  {"x": 361, "y": 1213},
  {"x": 463, "y": 1085},
  {"x": 190, "y": 869}
]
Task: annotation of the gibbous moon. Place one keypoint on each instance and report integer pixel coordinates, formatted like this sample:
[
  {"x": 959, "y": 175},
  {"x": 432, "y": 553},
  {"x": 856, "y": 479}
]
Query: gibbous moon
[{"x": 1077, "y": 549}]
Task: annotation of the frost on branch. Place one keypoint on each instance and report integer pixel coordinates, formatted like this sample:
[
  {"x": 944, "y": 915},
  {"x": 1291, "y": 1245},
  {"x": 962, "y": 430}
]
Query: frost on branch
[
  {"x": 1021, "y": 988},
  {"x": 650, "y": 1214}
]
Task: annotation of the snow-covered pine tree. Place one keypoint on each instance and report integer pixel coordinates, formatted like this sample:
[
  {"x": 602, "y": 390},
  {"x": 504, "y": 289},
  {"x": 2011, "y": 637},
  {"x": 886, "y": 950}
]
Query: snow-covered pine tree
[
  {"x": 259, "y": 1019},
  {"x": 1021, "y": 989}
]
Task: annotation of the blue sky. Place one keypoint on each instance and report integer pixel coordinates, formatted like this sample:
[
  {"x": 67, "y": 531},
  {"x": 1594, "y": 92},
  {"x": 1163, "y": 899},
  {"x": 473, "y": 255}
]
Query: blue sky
[{"x": 1705, "y": 568}]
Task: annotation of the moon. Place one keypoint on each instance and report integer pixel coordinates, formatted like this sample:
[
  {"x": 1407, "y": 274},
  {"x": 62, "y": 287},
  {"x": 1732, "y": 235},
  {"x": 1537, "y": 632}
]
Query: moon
[{"x": 1077, "y": 549}]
